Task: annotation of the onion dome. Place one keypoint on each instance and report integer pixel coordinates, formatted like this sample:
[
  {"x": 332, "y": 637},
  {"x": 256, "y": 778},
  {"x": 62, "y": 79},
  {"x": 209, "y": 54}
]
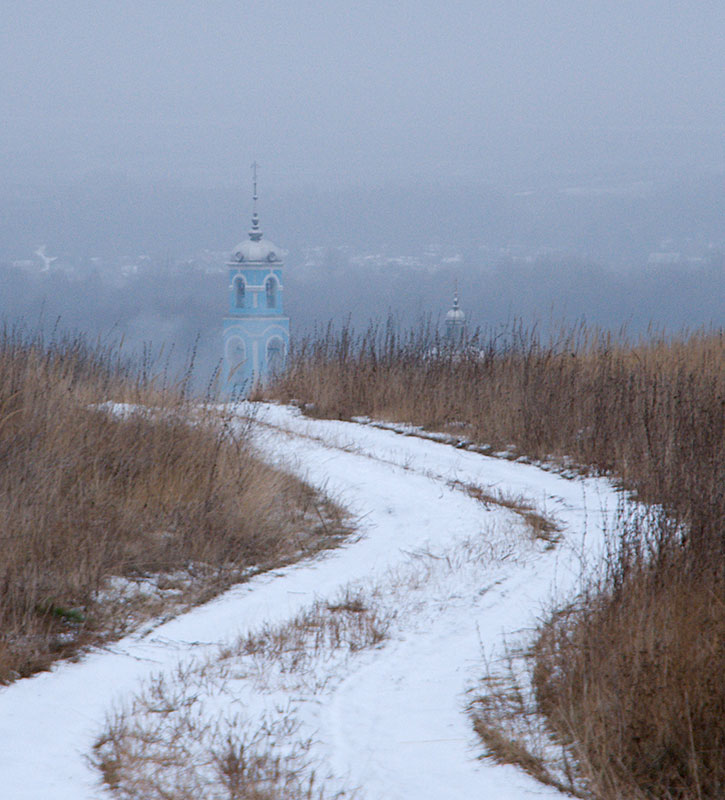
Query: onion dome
[{"x": 456, "y": 317}]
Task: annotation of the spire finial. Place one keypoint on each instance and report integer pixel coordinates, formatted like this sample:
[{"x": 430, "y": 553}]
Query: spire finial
[
  {"x": 255, "y": 234},
  {"x": 455, "y": 295}
]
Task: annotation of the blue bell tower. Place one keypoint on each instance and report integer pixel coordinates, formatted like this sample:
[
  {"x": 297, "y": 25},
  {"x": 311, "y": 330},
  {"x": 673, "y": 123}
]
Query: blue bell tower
[{"x": 255, "y": 332}]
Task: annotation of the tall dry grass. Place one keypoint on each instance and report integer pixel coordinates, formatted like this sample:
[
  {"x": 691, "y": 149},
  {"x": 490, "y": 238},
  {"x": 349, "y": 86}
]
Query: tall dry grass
[
  {"x": 630, "y": 676},
  {"x": 630, "y": 679},
  {"x": 93, "y": 502}
]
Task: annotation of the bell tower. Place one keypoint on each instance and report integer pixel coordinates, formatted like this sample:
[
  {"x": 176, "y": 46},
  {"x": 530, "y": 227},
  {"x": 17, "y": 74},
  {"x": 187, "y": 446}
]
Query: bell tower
[{"x": 255, "y": 332}]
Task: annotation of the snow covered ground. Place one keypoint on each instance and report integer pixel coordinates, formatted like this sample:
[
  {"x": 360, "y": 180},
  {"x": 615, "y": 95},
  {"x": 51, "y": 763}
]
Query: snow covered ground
[{"x": 451, "y": 575}]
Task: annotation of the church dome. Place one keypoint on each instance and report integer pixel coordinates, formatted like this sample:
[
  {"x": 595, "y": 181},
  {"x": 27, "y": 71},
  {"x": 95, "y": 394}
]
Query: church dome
[
  {"x": 256, "y": 250},
  {"x": 455, "y": 316}
]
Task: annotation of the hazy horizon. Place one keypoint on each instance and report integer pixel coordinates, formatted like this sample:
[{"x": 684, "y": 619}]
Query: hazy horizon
[{"x": 584, "y": 136}]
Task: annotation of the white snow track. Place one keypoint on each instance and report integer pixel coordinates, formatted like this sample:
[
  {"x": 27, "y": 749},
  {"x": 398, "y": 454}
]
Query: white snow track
[{"x": 393, "y": 722}]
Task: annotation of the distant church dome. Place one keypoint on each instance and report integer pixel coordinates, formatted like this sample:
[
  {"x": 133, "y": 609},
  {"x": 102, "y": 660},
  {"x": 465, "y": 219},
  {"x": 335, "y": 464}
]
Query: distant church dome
[
  {"x": 456, "y": 317},
  {"x": 455, "y": 323}
]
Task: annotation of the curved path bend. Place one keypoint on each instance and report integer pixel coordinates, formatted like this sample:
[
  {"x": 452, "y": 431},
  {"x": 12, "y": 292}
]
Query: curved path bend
[{"x": 393, "y": 722}]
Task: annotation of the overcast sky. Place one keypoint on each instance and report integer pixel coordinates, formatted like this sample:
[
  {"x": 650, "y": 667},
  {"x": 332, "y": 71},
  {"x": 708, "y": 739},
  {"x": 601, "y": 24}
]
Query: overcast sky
[{"x": 331, "y": 93}]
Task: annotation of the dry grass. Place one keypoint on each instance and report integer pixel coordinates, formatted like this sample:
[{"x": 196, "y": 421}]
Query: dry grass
[
  {"x": 153, "y": 755},
  {"x": 109, "y": 518},
  {"x": 540, "y": 525},
  {"x": 181, "y": 737},
  {"x": 630, "y": 677},
  {"x": 505, "y": 715}
]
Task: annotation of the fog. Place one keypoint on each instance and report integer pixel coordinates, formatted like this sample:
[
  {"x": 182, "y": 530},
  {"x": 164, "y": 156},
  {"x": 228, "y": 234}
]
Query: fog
[
  {"x": 328, "y": 93},
  {"x": 558, "y": 160}
]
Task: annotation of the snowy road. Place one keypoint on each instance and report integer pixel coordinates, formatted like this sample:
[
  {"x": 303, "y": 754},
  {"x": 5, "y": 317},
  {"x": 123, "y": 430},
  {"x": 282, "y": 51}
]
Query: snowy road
[{"x": 392, "y": 720}]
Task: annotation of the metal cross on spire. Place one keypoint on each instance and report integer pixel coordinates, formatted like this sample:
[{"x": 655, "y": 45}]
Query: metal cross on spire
[
  {"x": 254, "y": 179},
  {"x": 255, "y": 234}
]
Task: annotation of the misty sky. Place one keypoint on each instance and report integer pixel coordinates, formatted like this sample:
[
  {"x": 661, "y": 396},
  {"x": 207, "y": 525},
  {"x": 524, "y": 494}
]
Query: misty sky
[{"x": 330, "y": 93}]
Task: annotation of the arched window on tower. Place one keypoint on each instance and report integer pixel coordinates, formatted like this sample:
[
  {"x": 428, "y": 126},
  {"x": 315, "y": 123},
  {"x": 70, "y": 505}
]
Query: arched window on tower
[
  {"x": 239, "y": 291},
  {"x": 236, "y": 358},
  {"x": 270, "y": 286},
  {"x": 275, "y": 354}
]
